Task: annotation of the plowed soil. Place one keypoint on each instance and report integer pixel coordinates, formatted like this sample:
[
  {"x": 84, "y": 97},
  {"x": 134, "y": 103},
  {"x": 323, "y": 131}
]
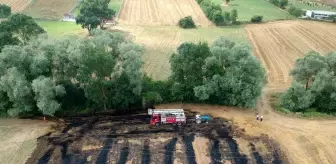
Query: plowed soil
[
  {"x": 130, "y": 139},
  {"x": 16, "y": 5},
  {"x": 279, "y": 44},
  {"x": 160, "y": 12}
]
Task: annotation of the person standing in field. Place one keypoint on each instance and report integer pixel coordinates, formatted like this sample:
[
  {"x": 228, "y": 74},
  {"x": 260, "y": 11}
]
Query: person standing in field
[
  {"x": 261, "y": 118},
  {"x": 257, "y": 116}
]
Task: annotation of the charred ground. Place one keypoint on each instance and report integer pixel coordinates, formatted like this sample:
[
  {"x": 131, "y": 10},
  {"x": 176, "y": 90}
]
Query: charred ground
[{"x": 130, "y": 139}]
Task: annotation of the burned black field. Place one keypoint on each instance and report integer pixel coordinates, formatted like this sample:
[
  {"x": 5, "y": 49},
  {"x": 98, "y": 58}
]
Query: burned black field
[{"x": 130, "y": 139}]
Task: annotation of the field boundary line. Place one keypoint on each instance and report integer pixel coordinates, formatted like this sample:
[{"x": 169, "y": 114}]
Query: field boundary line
[{"x": 121, "y": 7}]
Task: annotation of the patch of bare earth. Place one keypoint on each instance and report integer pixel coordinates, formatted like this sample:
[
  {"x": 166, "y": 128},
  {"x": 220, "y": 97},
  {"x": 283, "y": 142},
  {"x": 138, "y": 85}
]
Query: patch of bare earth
[{"x": 18, "y": 139}]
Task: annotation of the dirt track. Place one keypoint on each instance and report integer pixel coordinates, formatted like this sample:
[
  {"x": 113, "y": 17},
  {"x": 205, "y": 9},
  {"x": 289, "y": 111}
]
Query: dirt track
[
  {"x": 16, "y": 5},
  {"x": 160, "y": 12},
  {"x": 279, "y": 44}
]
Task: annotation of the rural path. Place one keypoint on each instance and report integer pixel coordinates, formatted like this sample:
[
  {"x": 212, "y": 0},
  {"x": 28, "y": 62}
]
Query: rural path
[{"x": 303, "y": 141}]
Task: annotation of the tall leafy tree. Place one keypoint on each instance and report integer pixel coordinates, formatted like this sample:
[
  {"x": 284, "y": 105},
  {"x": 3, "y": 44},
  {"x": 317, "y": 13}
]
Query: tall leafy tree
[
  {"x": 24, "y": 27},
  {"x": 94, "y": 13},
  {"x": 5, "y": 11},
  {"x": 308, "y": 67},
  {"x": 226, "y": 73},
  {"x": 314, "y": 84},
  {"x": 234, "y": 16},
  {"x": 186, "y": 67}
]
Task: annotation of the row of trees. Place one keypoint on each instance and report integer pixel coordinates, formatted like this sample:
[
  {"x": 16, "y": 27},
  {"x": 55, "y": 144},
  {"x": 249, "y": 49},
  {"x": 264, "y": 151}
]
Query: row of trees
[
  {"x": 47, "y": 75},
  {"x": 105, "y": 71},
  {"x": 216, "y": 15},
  {"x": 5, "y": 11},
  {"x": 18, "y": 29},
  {"x": 314, "y": 84}
]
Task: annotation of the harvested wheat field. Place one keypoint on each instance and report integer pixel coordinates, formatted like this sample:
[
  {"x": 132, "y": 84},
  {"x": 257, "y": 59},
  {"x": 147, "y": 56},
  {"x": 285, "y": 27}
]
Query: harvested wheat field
[
  {"x": 161, "y": 41},
  {"x": 16, "y": 5},
  {"x": 18, "y": 139},
  {"x": 160, "y": 12},
  {"x": 49, "y": 9},
  {"x": 279, "y": 44}
]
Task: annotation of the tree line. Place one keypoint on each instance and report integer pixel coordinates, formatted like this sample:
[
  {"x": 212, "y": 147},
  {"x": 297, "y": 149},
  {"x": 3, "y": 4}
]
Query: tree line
[
  {"x": 314, "y": 84},
  {"x": 105, "y": 71}
]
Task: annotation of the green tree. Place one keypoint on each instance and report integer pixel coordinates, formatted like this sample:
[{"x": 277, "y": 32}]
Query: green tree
[
  {"x": 307, "y": 68},
  {"x": 24, "y": 27},
  {"x": 227, "y": 17},
  {"x": 187, "y": 22},
  {"x": 226, "y": 73},
  {"x": 297, "y": 98},
  {"x": 233, "y": 76},
  {"x": 5, "y": 11},
  {"x": 314, "y": 84},
  {"x": 234, "y": 16},
  {"x": 283, "y": 4},
  {"x": 227, "y": 1},
  {"x": 332, "y": 17},
  {"x": 186, "y": 66},
  {"x": 94, "y": 13}
]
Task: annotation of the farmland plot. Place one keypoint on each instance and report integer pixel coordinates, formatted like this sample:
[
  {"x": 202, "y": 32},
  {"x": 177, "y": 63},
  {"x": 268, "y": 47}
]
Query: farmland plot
[
  {"x": 160, "y": 12},
  {"x": 49, "y": 9},
  {"x": 279, "y": 44},
  {"x": 161, "y": 42},
  {"x": 16, "y": 5}
]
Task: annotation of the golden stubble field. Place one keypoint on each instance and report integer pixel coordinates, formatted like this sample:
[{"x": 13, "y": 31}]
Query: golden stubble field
[
  {"x": 279, "y": 44},
  {"x": 16, "y": 5},
  {"x": 160, "y": 12}
]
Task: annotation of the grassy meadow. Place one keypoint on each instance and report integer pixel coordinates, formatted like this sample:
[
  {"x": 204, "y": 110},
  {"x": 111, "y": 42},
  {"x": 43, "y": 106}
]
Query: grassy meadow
[
  {"x": 60, "y": 29},
  {"x": 248, "y": 8}
]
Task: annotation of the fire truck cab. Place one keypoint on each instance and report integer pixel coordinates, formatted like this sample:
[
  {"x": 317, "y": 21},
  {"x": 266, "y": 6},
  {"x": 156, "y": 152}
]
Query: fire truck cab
[{"x": 167, "y": 116}]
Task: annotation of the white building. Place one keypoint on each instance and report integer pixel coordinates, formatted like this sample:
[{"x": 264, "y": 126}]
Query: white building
[{"x": 319, "y": 14}]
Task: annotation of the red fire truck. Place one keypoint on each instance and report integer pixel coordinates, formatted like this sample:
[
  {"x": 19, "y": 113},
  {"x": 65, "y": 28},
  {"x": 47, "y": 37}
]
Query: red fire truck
[{"x": 167, "y": 116}]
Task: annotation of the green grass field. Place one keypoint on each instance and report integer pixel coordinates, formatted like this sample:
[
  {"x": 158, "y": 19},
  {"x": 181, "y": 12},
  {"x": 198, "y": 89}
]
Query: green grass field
[
  {"x": 59, "y": 29},
  {"x": 248, "y": 8},
  {"x": 302, "y": 5}
]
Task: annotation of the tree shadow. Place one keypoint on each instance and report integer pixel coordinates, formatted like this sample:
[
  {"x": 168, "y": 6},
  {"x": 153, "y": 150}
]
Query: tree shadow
[
  {"x": 169, "y": 151},
  {"x": 145, "y": 157},
  {"x": 258, "y": 158},
  {"x": 190, "y": 153},
  {"x": 102, "y": 157},
  {"x": 123, "y": 155}
]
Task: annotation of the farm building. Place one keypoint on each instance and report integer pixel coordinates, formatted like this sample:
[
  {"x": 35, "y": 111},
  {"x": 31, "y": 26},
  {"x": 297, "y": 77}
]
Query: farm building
[
  {"x": 69, "y": 17},
  {"x": 319, "y": 14}
]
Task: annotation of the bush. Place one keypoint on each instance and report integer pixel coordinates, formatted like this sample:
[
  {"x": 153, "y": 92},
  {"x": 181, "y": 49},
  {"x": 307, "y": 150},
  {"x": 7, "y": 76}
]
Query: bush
[
  {"x": 187, "y": 22},
  {"x": 256, "y": 19},
  {"x": 5, "y": 11},
  {"x": 295, "y": 11}
]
